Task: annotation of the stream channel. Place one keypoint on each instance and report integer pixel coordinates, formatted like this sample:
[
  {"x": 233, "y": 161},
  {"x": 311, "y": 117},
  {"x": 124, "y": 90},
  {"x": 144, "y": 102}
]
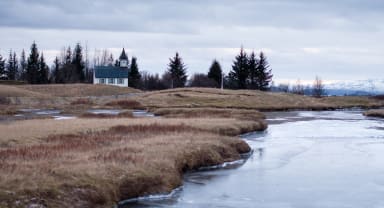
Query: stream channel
[{"x": 305, "y": 159}]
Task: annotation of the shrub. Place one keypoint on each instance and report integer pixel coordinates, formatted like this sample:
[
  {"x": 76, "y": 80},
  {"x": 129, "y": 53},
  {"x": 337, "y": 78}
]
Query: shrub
[
  {"x": 82, "y": 101},
  {"x": 128, "y": 104}
]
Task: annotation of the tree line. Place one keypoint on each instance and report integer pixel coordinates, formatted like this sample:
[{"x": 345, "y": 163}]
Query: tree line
[
  {"x": 248, "y": 72},
  {"x": 72, "y": 66},
  {"x": 317, "y": 88}
]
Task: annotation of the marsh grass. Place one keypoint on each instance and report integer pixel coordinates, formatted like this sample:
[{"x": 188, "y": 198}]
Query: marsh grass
[
  {"x": 82, "y": 101},
  {"x": 126, "y": 104},
  {"x": 97, "y": 168},
  {"x": 97, "y": 160},
  {"x": 76, "y": 90},
  {"x": 375, "y": 113},
  {"x": 210, "y": 113},
  {"x": 7, "y": 110}
]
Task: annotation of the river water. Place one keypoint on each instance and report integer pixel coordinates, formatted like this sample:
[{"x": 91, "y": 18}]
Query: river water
[{"x": 304, "y": 159}]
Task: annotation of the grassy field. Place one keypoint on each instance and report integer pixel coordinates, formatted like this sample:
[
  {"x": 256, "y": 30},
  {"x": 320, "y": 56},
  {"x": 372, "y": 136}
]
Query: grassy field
[
  {"x": 62, "y": 90},
  {"x": 87, "y": 96},
  {"x": 97, "y": 162},
  {"x": 247, "y": 99},
  {"x": 59, "y": 96}
]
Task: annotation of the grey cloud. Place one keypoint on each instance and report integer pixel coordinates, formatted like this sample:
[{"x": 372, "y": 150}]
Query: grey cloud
[
  {"x": 172, "y": 16},
  {"x": 205, "y": 29}
]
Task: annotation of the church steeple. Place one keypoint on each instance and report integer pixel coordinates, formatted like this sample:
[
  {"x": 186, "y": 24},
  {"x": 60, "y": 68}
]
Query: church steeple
[{"x": 123, "y": 59}]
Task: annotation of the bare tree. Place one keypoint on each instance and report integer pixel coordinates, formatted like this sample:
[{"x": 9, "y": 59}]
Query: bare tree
[
  {"x": 202, "y": 80},
  {"x": 283, "y": 87},
  {"x": 318, "y": 88},
  {"x": 104, "y": 57},
  {"x": 298, "y": 88}
]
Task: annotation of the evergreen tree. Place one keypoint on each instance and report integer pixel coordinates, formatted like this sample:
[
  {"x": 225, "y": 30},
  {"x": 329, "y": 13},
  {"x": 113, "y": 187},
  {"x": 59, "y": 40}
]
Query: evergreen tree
[
  {"x": 67, "y": 67},
  {"x": 12, "y": 66},
  {"x": 16, "y": 66},
  {"x": 178, "y": 71},
  {"x": 23, "y": 66},
  {"x": 43, "y": 72},
  {"x": 134, "y": 76},
  {"x": 68, "y": 56},
  {"x": 78, "y": 64},
  {"x": 57, "y": 74},
  {"x": 33, "y": 65},
  {"x": 253, "y": 71},
  {"x": 264, "y": 74},
  {"x": 215, "y": 73},
  {"x": 2, "y": 68},
  {"x": 239, "y": 73},
  {"x": 230, "y": 81}
]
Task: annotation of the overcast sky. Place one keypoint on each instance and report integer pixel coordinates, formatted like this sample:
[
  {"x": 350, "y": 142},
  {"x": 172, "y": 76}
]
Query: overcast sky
[{"x": 334, "y": 39}]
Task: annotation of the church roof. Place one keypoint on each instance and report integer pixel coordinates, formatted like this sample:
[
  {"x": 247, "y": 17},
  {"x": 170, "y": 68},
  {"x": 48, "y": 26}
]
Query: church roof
[
  {"x": 111, "y": 72},
  {"x": 123, "y": 56}
]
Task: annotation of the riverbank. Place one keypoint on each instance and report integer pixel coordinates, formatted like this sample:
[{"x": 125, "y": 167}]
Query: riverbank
[
  {"x": 98, "y": 162},
  {"x": 309, "y": 159},
  {"x": 375, "y": 113}
]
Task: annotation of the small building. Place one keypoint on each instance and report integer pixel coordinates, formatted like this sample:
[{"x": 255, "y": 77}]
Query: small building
[{"x": 116, "y": 75}]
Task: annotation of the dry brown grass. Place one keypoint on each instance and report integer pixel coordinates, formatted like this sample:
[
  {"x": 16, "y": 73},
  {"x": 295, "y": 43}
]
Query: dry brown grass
[
  {"x": 41, "y": 163},
  {"x": 82, "y": 101},
  {"x": 31, "y": 131},
  {"x": 209, "y": 113},
  {"x": 247, "y": 99},
  {"x": 126, "y": 104},
  {"x": 76, "y": 90},
  {"x": 7, "y": 110},
  {"x": 16, "y": 91},
  {"x": 61, "y": 96},
  {"x": 375, "y": 113}
]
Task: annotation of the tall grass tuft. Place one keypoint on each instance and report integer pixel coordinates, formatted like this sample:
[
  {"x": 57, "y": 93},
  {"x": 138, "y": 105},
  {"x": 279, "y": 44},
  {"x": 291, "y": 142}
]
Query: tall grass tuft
[{"x": 126, "y": 104}]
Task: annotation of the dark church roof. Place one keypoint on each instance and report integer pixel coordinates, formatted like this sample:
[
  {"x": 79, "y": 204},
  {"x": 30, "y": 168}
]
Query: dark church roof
[
  {"x": 111, "y": 72},
  {"x": 123, "y": 56}
]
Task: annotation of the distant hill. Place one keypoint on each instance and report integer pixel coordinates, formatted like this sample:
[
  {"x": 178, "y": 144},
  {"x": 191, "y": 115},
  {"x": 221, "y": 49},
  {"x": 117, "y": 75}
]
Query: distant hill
[{"x": 357, "y": 87}]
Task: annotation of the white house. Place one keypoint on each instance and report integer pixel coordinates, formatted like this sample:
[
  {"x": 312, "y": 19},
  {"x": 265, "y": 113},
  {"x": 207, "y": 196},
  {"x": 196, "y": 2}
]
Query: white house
[{"x": 113, "y": 75}]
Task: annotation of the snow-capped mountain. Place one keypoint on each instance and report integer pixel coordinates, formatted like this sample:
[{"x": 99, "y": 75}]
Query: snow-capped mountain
[{"x": 357, "y": 87}]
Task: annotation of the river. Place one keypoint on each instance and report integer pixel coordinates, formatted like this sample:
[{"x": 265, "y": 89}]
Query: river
[{"x": 305, "y": 159}]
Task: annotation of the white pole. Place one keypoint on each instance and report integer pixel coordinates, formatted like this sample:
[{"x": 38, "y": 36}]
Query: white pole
[{"x": 222, "y": 81}]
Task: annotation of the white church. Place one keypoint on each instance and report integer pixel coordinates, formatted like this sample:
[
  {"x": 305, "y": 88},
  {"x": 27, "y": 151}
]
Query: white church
[{"x": 113, "y": 75}]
